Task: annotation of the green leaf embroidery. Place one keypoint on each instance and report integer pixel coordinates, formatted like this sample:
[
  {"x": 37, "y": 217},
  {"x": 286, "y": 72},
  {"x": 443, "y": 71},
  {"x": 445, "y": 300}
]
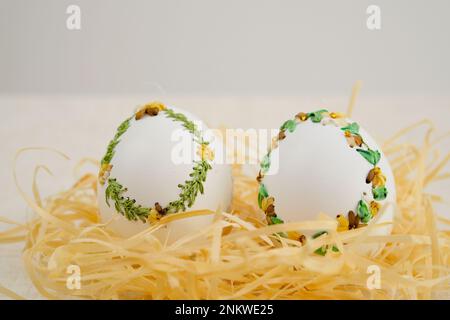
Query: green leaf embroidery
[
  {"x": 322, "y": 251},
  {"x": 115, "y": 141},
  {"x": 352, "y": 128},
  {"x": 318, "y": 234},
  {"x": 335, "y": 249},
  {"x": 260, "y": 199},
  {"x": 263, "y": 190},
  {"x": 370, "y": 155},
  {"x": 276, "y": 220},
  {"x": 363, "y": 212},
  {"x": 265, "y": 163},
  {"x": 289, "y": 125},
  {"x": 377, "y": 156},
  {"x": 379, "y": 193},
  {"x": 187, "y": 124},
  {"x": 316, "y": 116},
  {"x": 189, "y": 190},
  {"x": 124, "y": 205},
  {"x": 262, "y": 193}
]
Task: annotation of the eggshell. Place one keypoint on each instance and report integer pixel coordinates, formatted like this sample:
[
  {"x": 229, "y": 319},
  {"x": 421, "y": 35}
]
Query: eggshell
[
  {"x": 314, "y": 170},
  {"x": 144, "y": 163}
]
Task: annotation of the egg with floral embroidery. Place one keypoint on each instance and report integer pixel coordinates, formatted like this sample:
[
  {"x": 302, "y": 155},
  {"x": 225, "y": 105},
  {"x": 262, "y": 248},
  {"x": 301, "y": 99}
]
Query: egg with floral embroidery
[
  {"x": 162, "y": 161},
  {"x": 323, "y": 162}
]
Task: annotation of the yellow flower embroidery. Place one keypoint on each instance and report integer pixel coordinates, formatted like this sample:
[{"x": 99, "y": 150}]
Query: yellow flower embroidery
[
  {"x": 379, "y": 179},
  {"x": 266, "y": 202},
  {"x": 152, "y": 109},
  {"x": 155, "y": 104},
  {"x": 205, "y": 152},
  {"x": 374, "y": 208},
  {"x": 302, "y": 116},
  {"x": 343, "y": 223},
  {"x": 352, "y": 139},
  {"x": 103, "y": 175},
  {"x": 153, "y": 216},
  {"x": 336, "y": 115}
]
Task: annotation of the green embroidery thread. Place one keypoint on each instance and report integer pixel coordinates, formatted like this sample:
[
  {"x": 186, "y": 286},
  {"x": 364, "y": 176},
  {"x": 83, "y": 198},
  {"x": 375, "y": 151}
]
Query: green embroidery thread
[
  {"x": 128, "y": 207},
  {"x": 115, "y": 141},
  {"x": 191, "y": 188},
  {"x": 124, "y": 205},
  {"x": 365, "y": 212}
]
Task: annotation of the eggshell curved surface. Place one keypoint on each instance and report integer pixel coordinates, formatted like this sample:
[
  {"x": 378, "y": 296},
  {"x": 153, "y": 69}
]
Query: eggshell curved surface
[
  {"x": 148, "y": 162},
  {"x": 314, "y": 170}
]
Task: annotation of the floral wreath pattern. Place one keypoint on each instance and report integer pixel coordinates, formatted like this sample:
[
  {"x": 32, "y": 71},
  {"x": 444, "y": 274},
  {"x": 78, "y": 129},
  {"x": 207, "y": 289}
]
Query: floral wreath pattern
[
  {"x": 365, "y": 209},
  {"x": 115, "y": 191}
]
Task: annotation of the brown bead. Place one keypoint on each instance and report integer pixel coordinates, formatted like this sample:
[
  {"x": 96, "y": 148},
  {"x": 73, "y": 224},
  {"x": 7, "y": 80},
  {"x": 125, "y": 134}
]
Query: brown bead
[
  {"x": 281, "y": 135},
  {"x": 370, "y": 176},
  {"x": 259, "y": 177},
  {"x": 152, "y": 111},
  {"x": 270, "y": 210},
  {"x": 353, "y": 220},
  {"x": 302, "y": 239},
  {"x": 357, "y": 221},
  {"x": 160, "y": 209},
  {"x": 358, "y": 140}
]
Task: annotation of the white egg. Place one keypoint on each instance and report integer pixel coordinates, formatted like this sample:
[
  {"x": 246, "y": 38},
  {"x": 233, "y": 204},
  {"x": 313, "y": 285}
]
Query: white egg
[
  {"x": 148, "y": 162},
  {"x": 314, "y": 170}
]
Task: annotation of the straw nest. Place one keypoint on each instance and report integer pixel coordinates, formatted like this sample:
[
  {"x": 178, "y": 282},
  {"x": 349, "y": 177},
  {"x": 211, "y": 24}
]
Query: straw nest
[{"x": 239, "y": 256}]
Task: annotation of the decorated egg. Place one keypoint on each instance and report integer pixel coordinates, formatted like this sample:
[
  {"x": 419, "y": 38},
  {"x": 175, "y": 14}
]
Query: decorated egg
[
  {"x": 161, "y": 161},
  {"x": 323, "y": 162}
]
